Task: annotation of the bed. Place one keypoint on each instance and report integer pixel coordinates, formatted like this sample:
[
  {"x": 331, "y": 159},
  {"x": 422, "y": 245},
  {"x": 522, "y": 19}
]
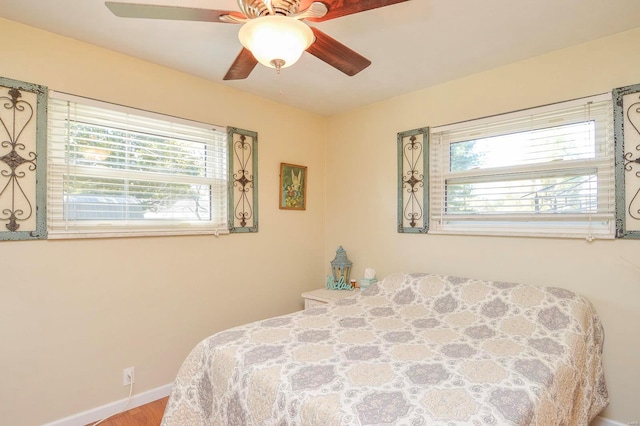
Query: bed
[{"x": 413, "y": 349}]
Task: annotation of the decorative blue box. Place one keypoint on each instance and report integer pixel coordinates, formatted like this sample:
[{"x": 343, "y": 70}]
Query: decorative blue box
[{"x": 366, "y": 282}]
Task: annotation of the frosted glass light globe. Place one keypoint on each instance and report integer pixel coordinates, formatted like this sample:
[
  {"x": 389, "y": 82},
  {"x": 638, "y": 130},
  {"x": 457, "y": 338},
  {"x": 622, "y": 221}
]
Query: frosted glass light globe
[{"x": 276, "y": 40}]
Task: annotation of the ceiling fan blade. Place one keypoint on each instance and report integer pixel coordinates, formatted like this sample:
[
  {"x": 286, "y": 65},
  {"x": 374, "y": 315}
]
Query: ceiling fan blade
[
  {"x": 242, "y": 66},
  {"x": 338, "y": 8},
  {"x": 336, "y": 54},
  {"x": 150, "y": 11}
]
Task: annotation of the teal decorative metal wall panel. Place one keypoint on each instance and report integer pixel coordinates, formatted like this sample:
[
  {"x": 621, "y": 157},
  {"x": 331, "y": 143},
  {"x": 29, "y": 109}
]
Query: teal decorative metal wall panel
[
  {"x": 22, "y": 160},
  {"x": 243, "y": 180},
  {"x": 626, "y": 104},
  {"x": 413, "y": 181}
]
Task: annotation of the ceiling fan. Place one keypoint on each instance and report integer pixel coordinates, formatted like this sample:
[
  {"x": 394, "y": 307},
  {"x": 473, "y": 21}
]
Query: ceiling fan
[{"x": 273, "y": 32}]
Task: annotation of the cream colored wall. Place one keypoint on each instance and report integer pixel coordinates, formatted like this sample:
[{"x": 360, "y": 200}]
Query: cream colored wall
[
  {"x": 361, "y": 197},
  {"x": 73, "y": 314}
]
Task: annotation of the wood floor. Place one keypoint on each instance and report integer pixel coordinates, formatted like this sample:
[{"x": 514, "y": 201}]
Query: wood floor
[{"x": 146, "y": 415}]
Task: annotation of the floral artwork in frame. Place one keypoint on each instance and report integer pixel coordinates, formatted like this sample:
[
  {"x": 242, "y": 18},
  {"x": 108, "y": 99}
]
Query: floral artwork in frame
[{"x": 293, "y": 187}]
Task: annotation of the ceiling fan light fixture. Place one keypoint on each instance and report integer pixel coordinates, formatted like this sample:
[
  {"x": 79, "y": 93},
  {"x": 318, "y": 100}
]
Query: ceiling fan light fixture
[{"x": 276, "y": 41}]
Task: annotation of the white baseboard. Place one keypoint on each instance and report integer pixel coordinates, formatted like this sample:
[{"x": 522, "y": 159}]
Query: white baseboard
[
  {"x": 601, "y": 421},
  {"x": 110, "y": 409}
]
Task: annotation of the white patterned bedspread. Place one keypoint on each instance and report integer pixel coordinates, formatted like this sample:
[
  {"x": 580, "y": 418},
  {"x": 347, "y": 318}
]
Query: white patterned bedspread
[{"x": 414, "y": 349}]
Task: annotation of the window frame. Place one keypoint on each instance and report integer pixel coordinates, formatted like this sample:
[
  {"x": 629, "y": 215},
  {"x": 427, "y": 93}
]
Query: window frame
[
  {"x": 59, "y": 168},
  {"x": 587, "y": 225}
]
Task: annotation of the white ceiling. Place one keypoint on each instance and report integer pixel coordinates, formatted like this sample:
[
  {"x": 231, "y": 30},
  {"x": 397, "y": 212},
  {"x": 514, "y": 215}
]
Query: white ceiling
[{"x": 412, "y": 45}]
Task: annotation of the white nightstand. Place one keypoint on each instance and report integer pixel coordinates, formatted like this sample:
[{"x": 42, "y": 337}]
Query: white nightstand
[{"x": 322, "y": 295}]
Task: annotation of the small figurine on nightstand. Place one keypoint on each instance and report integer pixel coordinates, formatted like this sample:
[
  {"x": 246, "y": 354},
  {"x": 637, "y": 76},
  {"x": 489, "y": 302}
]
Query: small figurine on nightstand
[
  {"x": 340, "y": 268},
  {"x": 337, "y": 285},
  {"x": 369, "y": 278}
]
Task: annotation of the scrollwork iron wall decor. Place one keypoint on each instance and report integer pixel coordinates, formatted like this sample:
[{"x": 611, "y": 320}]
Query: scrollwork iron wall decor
[
  {"x": 413, "y": 181},
  {"x": 626, "y": 108},
  {"x": 22, "y": 160},
  {"x": 243, "y": 180}
]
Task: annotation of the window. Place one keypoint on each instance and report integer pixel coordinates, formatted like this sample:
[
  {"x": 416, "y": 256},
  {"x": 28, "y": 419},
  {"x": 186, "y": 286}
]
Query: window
[
  {"x": 117, "y": 171},
  {"x": 546, "y": 171}
]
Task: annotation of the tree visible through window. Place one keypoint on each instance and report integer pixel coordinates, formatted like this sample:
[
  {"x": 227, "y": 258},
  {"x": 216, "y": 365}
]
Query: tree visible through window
[
  {"x": 107, "y": 148},
  {"x": 553, "y": 191},
  {"x": 134, "y": 172},
  {"x": 545, "y": 171}
]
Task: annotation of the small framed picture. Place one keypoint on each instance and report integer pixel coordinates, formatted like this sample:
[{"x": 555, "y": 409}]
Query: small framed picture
[{"x": 293, "y": 187}]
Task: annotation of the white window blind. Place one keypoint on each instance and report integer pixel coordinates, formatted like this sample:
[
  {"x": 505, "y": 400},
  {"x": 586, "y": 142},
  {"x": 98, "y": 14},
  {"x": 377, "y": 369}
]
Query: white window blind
[
  {"x": 546, "y": 171},
  {"x": 117, "y": 171}
]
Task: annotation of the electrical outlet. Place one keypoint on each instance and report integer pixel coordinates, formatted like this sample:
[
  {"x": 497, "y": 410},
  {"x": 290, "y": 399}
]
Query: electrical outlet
[{"x": 128, "y": 376}]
